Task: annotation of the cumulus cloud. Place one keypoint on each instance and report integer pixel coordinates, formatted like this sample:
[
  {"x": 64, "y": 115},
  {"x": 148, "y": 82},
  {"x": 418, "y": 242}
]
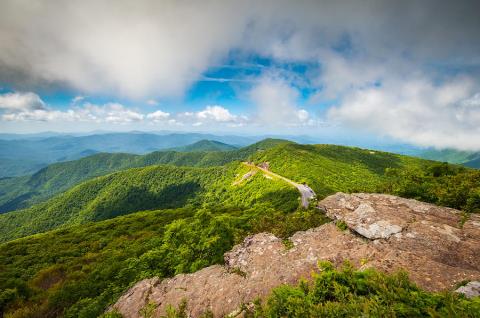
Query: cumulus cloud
[
  {"x": 159, "y": 48},
  {"x": 276, "y": 103},
  {"x": 146, "y": 48},
  {"x": 28, "y": 107},
  {"x": 216, "y": 113},
  {"x": 212, "y": 114},
  {"x": 417, "y": 111},
  {"x": 77, "y": 99},
  {"x": 108, "y": 113},
  {"x": 21, "y": 102},
  {"x": 158, "y": 116}
]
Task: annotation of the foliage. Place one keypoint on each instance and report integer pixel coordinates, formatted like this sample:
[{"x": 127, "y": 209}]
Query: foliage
[
  {"x": 149, "y": 188},
  {"x": 80, "y": 270},
  {"x": 101, "y": 245},
  {"x": 368, "y": 293},
  {"x": 23, "y": 192},
  {"x": 328, "y": 168},
  {"x": 341, "y": 225},
  {"x": 442, "y": 184},
  {"x": 466, "y": 158}
]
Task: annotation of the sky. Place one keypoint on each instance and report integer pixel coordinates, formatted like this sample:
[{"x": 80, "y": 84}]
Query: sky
[{"x": 404, "y": 70}]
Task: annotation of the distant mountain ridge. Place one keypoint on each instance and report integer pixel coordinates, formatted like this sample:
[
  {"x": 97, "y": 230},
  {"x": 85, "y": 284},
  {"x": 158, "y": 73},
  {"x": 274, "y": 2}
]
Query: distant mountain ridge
[
  {"x": 205, "y": 145},
  {"x": 25, "y": 156},
  {"x": 466, "y": 158}
]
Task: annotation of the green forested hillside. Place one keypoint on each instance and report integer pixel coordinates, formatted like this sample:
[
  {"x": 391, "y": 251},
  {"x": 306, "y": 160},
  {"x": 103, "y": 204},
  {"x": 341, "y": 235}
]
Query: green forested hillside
[
  {"x": 326, "y": 168},
  {"x": 22, "y": 192},
  {"x": 329, "y": 169},
  {"x": 149, "y": 188},
  {"x": 21, "y": 154}
]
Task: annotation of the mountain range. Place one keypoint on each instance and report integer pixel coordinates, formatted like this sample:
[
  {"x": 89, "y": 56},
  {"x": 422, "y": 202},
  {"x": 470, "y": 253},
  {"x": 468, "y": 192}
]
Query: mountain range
[{"x": 75, "y": 235}]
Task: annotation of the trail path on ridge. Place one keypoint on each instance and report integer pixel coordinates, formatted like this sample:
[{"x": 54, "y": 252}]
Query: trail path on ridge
[{"x": 306, "y": 192}]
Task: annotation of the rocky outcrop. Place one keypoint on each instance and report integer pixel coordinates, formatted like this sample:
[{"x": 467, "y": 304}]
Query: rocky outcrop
[{"x": 435, "y": 245}]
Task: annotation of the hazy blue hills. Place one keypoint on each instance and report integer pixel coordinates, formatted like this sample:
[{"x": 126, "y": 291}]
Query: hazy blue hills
[
  {"x": 25, "y": 155},
  {"x": 467, "y": 158}
]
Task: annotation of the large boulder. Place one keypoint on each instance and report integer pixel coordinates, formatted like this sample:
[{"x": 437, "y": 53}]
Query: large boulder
[{"x": 437, "y": 246}]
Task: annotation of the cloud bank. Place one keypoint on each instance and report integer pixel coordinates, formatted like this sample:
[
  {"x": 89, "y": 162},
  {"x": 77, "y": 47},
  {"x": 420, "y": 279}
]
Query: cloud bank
[
  {"x": 29, "y": 107},
  {"x": 407, "y": 69}
]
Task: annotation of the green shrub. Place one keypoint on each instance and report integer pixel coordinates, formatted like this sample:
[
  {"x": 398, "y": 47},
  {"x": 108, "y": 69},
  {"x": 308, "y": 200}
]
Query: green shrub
[
  {"x": 341, "y": 225},
  {"x": 351, "y": 293}
]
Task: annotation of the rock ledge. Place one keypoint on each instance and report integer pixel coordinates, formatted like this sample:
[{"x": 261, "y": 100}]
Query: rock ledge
[{"x": 387, "y": 232}]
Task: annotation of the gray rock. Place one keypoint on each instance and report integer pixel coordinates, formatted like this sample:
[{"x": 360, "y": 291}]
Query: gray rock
[{"x": 472, "y": 289}]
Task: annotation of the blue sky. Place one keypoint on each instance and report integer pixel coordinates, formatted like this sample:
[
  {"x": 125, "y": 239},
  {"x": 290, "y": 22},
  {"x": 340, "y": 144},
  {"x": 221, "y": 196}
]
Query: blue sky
[{"x": 407, "y": 71}]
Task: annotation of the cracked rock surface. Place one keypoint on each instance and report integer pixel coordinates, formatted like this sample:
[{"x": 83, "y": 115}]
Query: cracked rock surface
[{"x": 385, "y": 232}]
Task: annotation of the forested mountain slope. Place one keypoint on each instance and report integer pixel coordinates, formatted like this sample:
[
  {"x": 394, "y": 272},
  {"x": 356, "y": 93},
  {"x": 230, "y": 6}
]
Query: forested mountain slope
[
  {"x": 80, "y": 270},
  {"x": 194, "y": 215},
  {"x": 149, "y": 188},
  {"x": 22, "y": 192},
  {"x": 326, "y": 168},
  {"x": 330, "y": 168}
]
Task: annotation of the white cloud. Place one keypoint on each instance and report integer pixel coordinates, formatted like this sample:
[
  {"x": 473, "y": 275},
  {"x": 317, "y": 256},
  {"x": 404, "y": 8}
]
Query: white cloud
[
  {"x": 212, "y": 116},
  {"x": 151, "y": 48},
  {"x": 216, "y": 113},
  {"x": 417, "y": 111},
  {"x": 21, "y": 102},
  {"x": 109, "y": 113},
  {"x": 158, "y": 116},
  {"x": 21, "y": 108},
  {"x": 43, "y": 115},
  {"x": 302, "y": 115},
  {"x": 276, "y": 103}
]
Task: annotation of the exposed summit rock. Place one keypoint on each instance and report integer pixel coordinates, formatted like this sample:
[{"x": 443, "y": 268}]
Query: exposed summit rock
[{"x": 387, "y": 232}]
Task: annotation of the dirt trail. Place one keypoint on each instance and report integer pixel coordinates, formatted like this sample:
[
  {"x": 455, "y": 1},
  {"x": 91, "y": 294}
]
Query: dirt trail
[{"x": 306, "y": 192}]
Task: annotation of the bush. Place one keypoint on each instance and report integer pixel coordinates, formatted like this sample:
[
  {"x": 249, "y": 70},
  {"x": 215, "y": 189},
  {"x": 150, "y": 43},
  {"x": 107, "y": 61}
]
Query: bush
[{"x": 351, "y": 293}]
